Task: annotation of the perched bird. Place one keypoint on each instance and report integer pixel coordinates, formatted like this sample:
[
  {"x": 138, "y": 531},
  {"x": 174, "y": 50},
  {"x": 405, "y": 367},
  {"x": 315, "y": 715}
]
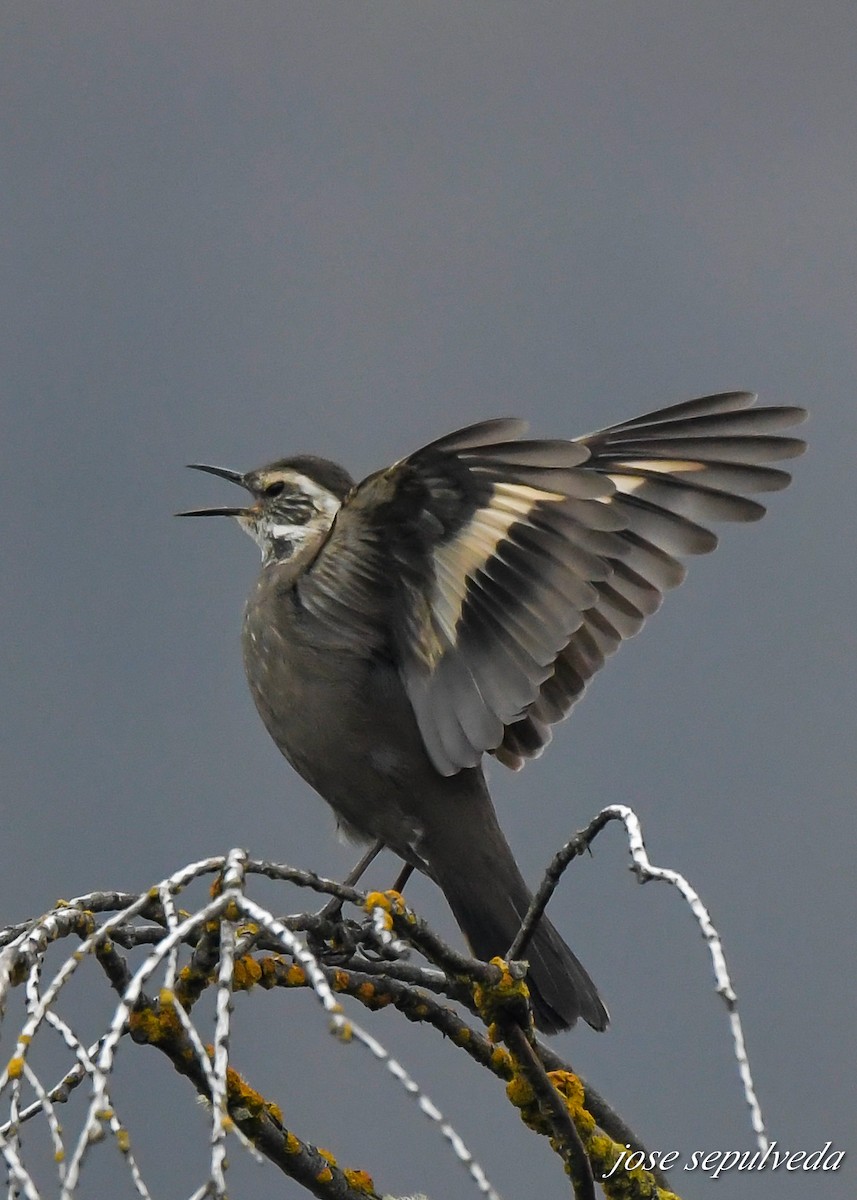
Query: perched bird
[{"x": 456, "y": 604}]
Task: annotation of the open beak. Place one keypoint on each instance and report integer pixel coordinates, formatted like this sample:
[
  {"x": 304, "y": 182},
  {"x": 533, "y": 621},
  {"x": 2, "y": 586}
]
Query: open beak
[{"x": 223, "y": 473}]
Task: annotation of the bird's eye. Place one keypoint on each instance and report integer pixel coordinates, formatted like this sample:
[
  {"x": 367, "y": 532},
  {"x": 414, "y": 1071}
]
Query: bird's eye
[{"x": 274, "y": 489}]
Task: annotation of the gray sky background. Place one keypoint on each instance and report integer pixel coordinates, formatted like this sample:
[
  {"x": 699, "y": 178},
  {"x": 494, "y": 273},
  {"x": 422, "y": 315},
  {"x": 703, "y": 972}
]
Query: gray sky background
[{"x": 234, "y": 232}]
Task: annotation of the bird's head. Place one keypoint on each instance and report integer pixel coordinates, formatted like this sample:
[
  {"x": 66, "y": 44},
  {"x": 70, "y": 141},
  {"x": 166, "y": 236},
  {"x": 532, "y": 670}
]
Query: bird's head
[{"x": 293, "y": 504}]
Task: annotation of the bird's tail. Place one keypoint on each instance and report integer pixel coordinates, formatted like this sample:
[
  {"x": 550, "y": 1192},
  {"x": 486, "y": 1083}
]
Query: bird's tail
[{"x": 489, "y": 900}]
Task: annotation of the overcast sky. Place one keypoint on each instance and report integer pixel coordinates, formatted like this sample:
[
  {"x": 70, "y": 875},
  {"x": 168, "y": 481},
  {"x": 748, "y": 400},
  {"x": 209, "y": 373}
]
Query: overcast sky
[{"x": 236, "y": 232}]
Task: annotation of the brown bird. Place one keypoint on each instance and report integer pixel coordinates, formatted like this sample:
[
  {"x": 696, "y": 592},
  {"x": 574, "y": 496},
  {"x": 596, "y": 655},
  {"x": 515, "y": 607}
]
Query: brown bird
[{"x": 457, "y": 604}]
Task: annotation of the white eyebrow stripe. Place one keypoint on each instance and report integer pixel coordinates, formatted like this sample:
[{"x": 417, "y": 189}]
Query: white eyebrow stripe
[{"x": 323, "y": 500}]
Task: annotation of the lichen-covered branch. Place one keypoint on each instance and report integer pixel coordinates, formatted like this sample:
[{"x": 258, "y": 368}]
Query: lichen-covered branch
[
  {"x": 260, "y": 1120},
  {"x": 379, "y": 955}
]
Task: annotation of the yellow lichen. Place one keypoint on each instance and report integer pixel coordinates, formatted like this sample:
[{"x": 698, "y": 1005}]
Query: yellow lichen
[
  {"x": 324, "y": 1175},
  {"x": 520, "y": 1092},
  {"x": 603, "y": 1153},
  {"x": 571, "y": 1089},
  {"x": 15, "y": 1067},
  {"x": 397, "y": 903},
  {"x": 86, "y": 922},
  {"x": 246, "y": 972},
  {"x": 359, "y": 1181},
  {"x": 501, "y": 1059},
  {"x": 344, "y": 1031},
  {"x": 492, "y": 999},
  {"x": 292, "y": 1144},
  {"x": 157, "y": 1025},
  {"x": 624, "y": 1185},
  {"x": 379, "y": 901},
  {"x": 242, "y": 1096}
]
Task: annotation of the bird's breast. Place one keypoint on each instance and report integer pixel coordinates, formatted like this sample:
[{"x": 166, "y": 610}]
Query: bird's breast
[{"x": 340, "y": 715}]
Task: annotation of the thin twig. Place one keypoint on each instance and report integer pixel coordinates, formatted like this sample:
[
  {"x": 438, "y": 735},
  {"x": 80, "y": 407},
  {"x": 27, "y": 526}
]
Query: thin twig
[{"x": 644, "y": 869}]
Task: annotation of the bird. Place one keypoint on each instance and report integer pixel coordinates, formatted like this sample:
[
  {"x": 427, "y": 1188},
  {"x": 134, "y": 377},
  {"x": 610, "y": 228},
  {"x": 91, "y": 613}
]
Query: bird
[{"x": 456, "y": 604}]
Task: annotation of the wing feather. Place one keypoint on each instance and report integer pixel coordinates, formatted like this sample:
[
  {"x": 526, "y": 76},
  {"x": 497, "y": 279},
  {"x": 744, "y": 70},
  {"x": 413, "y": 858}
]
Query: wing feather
[
  {"x": 500, "y": 573},
  {"x": 673, "y": 471}
]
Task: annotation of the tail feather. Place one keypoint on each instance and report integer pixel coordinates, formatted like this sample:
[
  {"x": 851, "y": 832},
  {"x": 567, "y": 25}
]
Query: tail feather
[
  {"x": 560, "y": 988},
  {"x": 489, "y": 900}
]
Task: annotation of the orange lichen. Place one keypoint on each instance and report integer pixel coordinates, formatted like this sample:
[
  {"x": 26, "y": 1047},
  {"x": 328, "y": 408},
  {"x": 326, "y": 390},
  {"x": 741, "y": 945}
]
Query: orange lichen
[
  {"x": 359, "y": 1181},
  {"x": 246, "y": 973},
  {"x": 245, "y": 1103},
  {"x": 296, "y": 976},
  {"x": 156, "y": 1024}
]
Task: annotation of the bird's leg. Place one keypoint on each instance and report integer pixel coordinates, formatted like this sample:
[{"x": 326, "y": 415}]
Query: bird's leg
[
  {"x": 403, "y": 877},
  {"x": 357, "y": 870},
  {"x": 331, "y": 910}
]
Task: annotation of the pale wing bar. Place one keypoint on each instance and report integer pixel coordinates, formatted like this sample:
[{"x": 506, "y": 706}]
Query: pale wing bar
[{"x": 507, "y": 588}]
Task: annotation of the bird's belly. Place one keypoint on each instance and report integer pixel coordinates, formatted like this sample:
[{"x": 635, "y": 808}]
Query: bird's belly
[{"x": 344, "y": 723}]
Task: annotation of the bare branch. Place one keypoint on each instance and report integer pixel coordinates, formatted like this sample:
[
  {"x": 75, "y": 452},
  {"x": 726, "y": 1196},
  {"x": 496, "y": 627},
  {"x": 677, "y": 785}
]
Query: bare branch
[{"x": 646, "y": 871}]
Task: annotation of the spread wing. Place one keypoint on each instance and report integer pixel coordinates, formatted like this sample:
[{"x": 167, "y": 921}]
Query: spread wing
[
  {"x": 505, "y": 571},
  {"x": 674, "y": 471}
]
